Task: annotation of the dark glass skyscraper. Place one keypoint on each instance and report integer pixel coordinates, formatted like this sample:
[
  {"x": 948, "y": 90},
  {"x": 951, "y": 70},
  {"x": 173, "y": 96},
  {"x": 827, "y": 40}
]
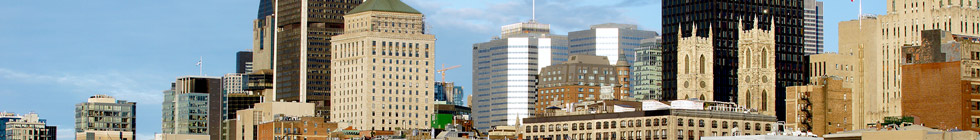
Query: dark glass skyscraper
[
  {"x": 243, "y": 62},
  {"x": 723, "y": 16},
  {"x": 266, "y": 7},
  {"x": 302, "y": 56}
]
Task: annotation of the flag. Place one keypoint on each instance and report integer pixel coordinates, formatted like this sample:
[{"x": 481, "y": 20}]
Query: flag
[{"x": 199, "y": 63}]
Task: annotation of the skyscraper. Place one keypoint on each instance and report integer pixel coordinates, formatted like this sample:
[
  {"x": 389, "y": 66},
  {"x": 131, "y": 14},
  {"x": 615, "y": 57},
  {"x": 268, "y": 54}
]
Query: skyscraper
[
  {"x": 383, "y": 67},
  {"x": 263, "y": 37},
  {"x": 193, "y": 106},
  {"x": 813, "y": 27},
  {"x": 612, "y": 40},
  {"x": 721, "y": 16},
  {"x": 646, "y": 76},
  {"x": 103, "y": 117},
  {"x": 243, "y": 62},
  {"x": 302, "y": 51},
  {"x": 505, "y": 70}
]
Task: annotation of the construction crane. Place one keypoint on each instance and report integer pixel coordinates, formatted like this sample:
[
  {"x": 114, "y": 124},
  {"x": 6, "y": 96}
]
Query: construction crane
[{"x": 444, "y": 69}]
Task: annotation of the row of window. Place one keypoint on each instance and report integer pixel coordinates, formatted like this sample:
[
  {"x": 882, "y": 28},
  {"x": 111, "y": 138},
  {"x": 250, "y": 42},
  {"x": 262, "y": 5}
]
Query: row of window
[{"x": 639, "y": 123}]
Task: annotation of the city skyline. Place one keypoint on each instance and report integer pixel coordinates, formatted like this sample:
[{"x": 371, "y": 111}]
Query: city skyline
[{"x": 132, "y": 50}]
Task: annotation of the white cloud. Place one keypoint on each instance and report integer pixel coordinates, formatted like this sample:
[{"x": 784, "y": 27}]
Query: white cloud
[{"x": 121, "y": 86}]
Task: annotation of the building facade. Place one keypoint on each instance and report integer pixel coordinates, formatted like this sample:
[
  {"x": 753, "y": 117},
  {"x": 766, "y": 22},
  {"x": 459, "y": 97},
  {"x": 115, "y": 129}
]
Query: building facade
[
  {"x": 695, "y": 73},
  {"x": 28, "y": 127},
  {"x": 304, "y": 29},
  {"x": 383, "y": 68},
  {"x": 263, "y": 40},
  {"x": 581, "y": 78},
  {"x": 247, "y": 121},
  {"x": 813, "y": 27},
  {"x": 942, "y": 81},
  {"x": 505, "y": 70},
  {"x": 756, "y": 70},
  {"x": 821, "y": 108},
  {"x": 295, "y": 128},
  {"x": 103, "y": 117},
  {"x": 646, "y": 77},
  {"x": 722, "y": 16},
  {"x": 449, "y": 93},
  {"x": 614, "y": 41},
  {"x": 881, "y": 38},
  {"x": 670, "y": 124},
  {"x": 193, "y": 106},
  {"x": 243, "y": 62}
]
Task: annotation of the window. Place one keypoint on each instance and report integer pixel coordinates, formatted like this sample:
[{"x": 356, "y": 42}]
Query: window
[
  {"x": 765, "y": 101},
  {"x": 700, "y": 123},
  {"x": 690, "y": 122},
  {"x": 680, "y": 122},
  {"x": 702, "y": 64},
  {"x": 714, "y": 124}
]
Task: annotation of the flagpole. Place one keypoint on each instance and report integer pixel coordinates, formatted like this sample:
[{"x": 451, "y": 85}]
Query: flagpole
[{"x": 200, "y": 66}]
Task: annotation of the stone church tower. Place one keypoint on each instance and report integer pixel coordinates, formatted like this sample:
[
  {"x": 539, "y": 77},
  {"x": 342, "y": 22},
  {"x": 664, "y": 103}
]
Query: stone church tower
[
  {"x": 756, "y": 68},
  {"x": 695, "y": 66}
]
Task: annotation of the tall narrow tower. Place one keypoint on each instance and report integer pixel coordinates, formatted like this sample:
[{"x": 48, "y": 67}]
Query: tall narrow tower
[
  {"x": 383, "y": 68},
  {"x": 302, "y": 50}
]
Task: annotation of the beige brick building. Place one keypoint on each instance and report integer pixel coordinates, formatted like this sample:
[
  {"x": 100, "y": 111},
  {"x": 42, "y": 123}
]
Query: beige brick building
[
  {"x": 665, "y": 124},
  {"x": 382, "y": 69},
  {"x": 695, "y": 67},
  {"x": 757, "y": 71},
  {"x": 878, "y": 41},
  {"x": 821, "y": 108}
]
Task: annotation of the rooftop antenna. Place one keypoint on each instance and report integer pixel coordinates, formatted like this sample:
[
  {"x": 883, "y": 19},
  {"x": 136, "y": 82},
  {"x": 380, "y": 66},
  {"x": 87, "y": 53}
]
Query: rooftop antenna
[{"x": 533, "y": 9}]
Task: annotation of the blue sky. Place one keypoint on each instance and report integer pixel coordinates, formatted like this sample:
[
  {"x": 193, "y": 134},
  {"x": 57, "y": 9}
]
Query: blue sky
[{"x": 56, "y": 54}]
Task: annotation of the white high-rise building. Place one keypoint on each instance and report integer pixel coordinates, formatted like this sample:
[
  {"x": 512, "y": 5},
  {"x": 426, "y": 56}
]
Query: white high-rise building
[
  {"x": 612, "y": 40},
  {"x": 505, "y": 71}
]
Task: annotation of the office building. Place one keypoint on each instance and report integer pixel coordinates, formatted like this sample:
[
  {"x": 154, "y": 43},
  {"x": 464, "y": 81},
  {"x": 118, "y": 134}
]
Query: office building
[
  {"x": 263, "y": 40},
  {"x": 721, "y": 17},
  {"x": 581, "y": 78},
  {"x": 880, "y": 39},
  {"x": 193, "y": 106},
  {"x": 304, "y": 29},
  {"x": 941, "y": 81},
  {"x": 447, "y": 114},
  {"x": 29, "y": 127},
  {"x": 4, "y": 118},
  {"x": 296, "y": 128},
  {"x": 813, "y": 27},
  {"x": 243, "y": 62},
  {"x": 449, "y": 93},
  {"x": 246, "y": 125},
  {"x": 756, "y": 71},
  {"x": 260, "y": 83},
  {"x": 821, "y": 108},
  {"x": 682, "y": 119},
  {"x": 521, "y": 51},
  {"x": 103, "y": 117},
  {"x": 232, "y": 84},
  {"x": 614, "y": 41},
  {"x": 647, "y": 71},
  {"x": 383, "y": 68}
]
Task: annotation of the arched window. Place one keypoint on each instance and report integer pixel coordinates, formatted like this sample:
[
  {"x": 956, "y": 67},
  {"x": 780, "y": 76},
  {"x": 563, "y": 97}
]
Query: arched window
[
  {"x": 748, "y": 99},
  {"x": 765, "y": 101},
  {"x": 702, "y": 97},
  {"x": 748, "y": 58},
  {"x": 763, "y": 58},
  {"x": 687, "y": 67},
  {"x": 702, "y": 64}
]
